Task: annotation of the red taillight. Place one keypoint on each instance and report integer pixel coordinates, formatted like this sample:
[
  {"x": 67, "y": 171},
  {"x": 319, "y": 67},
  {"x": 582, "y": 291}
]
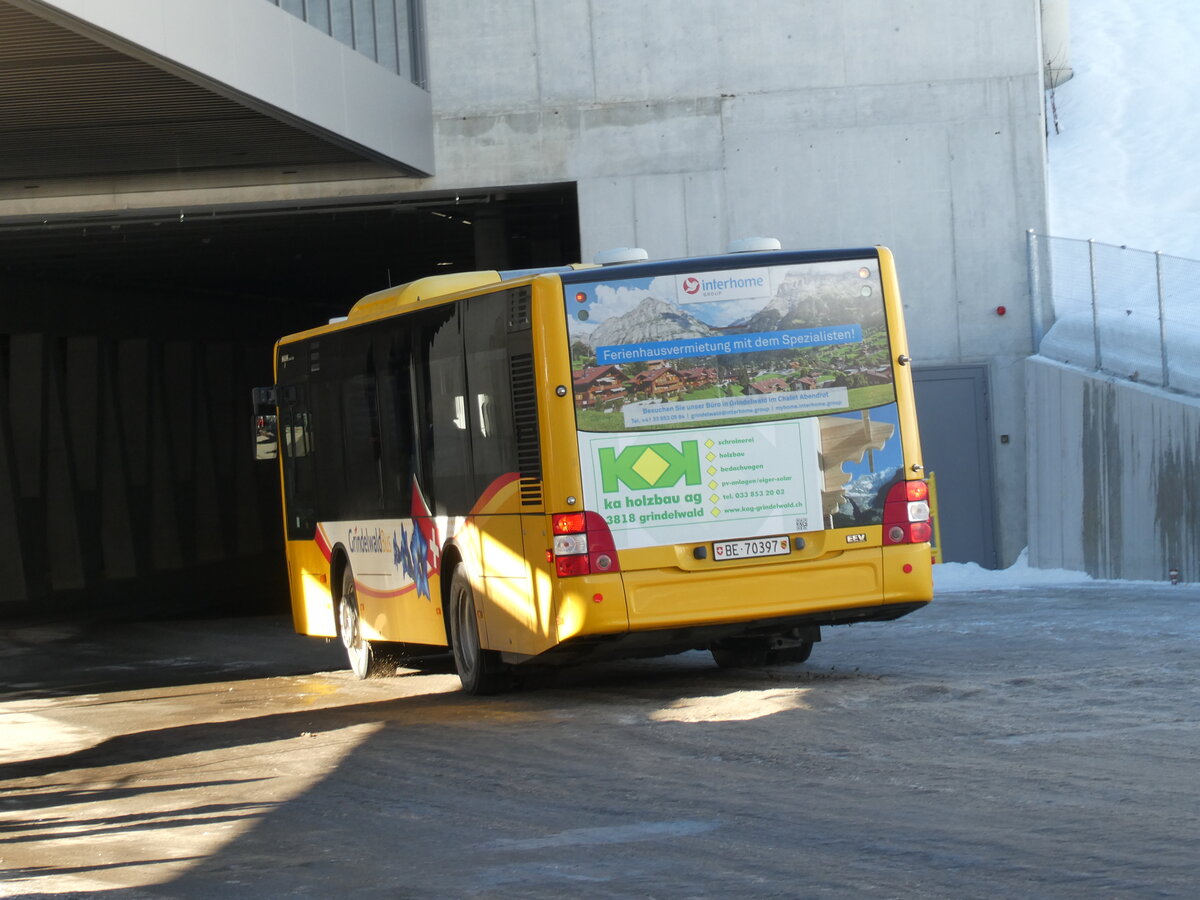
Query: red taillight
[
  {"x": 583, "y": 545},
  {"x": 571, "y": 565},
  {"x": 906, "y": 514},
  {"x": 570, "y": 523}
]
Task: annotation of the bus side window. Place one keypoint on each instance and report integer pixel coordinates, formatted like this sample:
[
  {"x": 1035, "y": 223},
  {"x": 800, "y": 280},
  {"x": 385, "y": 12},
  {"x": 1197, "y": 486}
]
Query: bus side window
[
  {"x": 298, "y": 453},
  {"x": 441, "y": 412},
  {"x": 396, "y": 420},
  {"x": 326, "y": 427},
  {"x": 360, "y": 430},
  {"x": 297, "y": 434},
  {"x": 493, "y": 433}
]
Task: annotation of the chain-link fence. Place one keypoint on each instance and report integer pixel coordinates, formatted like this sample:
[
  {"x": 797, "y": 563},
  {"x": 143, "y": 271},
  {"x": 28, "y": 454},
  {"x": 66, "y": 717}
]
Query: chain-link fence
[{"x": 1128, "y": 313}]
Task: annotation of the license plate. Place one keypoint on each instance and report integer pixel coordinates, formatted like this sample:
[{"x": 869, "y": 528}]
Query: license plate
[{"x": 752, "y": 547}]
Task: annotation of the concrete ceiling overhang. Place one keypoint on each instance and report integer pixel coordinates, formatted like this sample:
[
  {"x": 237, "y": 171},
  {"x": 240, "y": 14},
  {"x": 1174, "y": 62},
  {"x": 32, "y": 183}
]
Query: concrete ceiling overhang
[{"x": 141, "y": 87}]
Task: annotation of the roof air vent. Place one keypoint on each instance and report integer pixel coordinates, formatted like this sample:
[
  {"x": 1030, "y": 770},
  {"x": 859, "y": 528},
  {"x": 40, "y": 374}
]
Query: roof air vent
[
  {"x": 754, "y": 245},
  {"x": 621, "y": 255}
]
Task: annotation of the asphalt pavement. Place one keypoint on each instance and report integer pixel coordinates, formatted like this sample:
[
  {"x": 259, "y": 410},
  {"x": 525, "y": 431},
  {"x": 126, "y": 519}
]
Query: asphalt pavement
[{"x": 1033, "y": 742}]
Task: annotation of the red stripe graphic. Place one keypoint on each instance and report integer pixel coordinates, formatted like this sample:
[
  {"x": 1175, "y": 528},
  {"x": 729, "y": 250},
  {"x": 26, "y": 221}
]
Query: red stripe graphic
[
  {"x": 382, "y": 595},
  {"x": 322, "y": 540},
  {"x": 492, "y": 490}
]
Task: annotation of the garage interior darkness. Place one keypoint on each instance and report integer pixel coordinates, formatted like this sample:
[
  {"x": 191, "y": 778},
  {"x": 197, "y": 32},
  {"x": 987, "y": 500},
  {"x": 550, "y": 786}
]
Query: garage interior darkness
[
  {"x": 128, "y": 347},
  {"x": 314, "y": 257},
  {"x": 129, "y": 340}
]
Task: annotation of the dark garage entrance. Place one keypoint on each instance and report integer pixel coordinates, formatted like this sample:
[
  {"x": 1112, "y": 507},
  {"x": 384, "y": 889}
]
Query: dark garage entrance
[{"x": 128, "y": 345}]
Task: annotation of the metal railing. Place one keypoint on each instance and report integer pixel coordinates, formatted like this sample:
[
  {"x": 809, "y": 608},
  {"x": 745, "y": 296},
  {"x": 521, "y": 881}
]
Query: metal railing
[{"x": 1129, "y": 313}]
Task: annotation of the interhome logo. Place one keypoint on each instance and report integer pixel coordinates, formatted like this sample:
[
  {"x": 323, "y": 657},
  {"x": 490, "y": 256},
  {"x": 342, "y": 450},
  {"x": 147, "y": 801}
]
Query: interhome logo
[
  {"x": 742, "y": 284},
  {"x": 643, "y": 467},
  {"x": 731, "y": 283}
]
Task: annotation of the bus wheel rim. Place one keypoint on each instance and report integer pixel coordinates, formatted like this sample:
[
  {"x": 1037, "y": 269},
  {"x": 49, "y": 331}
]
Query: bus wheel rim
[{"x": 465, "y": 639}]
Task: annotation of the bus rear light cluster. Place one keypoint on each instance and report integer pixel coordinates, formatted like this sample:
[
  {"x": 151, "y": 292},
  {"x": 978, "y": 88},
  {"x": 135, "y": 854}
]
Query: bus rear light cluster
[
  {"x": 583, "y": 545},
  {"x": 906, "y": 514}
]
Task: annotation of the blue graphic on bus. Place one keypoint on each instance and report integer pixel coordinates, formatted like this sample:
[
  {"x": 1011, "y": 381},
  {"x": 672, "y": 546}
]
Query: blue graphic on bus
[
  {"x": 793, "y": 339},
  {"x": 408, "y": 553}
]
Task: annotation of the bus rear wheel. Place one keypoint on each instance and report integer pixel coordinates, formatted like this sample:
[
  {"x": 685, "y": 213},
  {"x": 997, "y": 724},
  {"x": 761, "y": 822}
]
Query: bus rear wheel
[
  {"x": 743, "y": 653},
  {"x": 364, "y": 661},
  {"x": 479, "y": 670},
  {"x": 740, "y": 653},
  {"x": 784, "y": 655}
]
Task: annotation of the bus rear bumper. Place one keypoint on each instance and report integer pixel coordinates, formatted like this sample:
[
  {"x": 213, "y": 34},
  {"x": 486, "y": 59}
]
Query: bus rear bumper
[
  {"x": 671, "y": 610},
  {"x": 665, "y": 641},
  {"x": 841, "y": 582}
]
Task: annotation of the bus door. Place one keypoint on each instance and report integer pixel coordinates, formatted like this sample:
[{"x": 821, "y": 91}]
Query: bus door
[{"x": 296, "y": 436}]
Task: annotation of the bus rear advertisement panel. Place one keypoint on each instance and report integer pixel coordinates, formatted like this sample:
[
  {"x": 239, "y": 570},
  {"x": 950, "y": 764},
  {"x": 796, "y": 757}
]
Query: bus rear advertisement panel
[
  {"x": 746, "y": 402},
  {"x": 704, "y": 484},
  {"x": 591, "y": 462}
]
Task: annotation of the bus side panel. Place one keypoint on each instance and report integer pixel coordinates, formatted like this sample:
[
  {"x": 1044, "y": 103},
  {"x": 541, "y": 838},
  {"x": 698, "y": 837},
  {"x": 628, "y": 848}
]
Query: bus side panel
[
  {"x": 408, "y": 618},
  {"x": 402, "y": 619},
  {"x": 400, "y": 616},
  {"x": 663, "y": 598},
  {"x": 514, "y": 620},
  {"x": 535, "y": 541},
  {"x": 312, "y": 598}
]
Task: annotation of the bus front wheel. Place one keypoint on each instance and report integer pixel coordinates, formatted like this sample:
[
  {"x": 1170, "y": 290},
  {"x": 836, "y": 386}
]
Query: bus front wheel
[
  {"x": 479, "y": 670},
  {"x": 364, "y": 661}
]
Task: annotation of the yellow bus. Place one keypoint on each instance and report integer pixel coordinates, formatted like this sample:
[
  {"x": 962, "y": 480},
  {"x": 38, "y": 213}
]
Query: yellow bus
[{"x": 556, "y": 466}]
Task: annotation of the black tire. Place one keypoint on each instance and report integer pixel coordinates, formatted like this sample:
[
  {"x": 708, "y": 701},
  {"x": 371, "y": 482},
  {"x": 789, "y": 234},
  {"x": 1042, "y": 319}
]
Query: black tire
[
  {"x": 786, "y": 655},
  {"x": 749, "y": 653},
  {"x": 479, "y": 670},
  {"x": 365, "y": 661},
  {"x": 743, "y": 653}
]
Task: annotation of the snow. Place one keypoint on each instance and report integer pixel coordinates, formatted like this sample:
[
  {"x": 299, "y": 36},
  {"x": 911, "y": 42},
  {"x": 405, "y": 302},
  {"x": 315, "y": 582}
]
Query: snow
[
  {"x": 973, "y": 577},
  {"x": 954, "y": 577},
  {"x": 1124, "y": 168}
]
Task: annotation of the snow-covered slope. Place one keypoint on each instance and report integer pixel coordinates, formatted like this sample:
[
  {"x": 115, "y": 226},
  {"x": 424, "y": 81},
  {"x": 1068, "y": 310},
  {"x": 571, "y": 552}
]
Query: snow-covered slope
[{"x": 1125, "y": 165}]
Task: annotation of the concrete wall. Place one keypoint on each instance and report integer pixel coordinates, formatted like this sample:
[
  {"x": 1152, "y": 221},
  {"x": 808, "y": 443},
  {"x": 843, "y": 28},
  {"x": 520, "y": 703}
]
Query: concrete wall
[
  {"x": 828, "y": 123},
  {"x": 687, "y": 123},
  {"x": 1114, "y": 475}
]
